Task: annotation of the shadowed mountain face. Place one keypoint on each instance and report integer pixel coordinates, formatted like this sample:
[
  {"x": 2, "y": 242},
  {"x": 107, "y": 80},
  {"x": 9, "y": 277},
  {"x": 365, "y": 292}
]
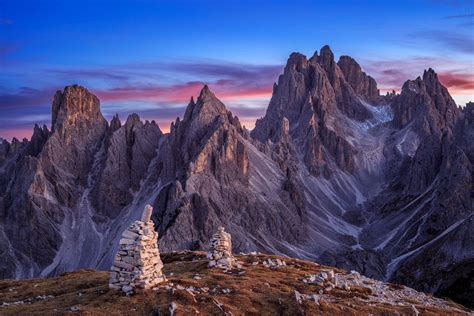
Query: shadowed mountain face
[{"x": 333, "y": 172}]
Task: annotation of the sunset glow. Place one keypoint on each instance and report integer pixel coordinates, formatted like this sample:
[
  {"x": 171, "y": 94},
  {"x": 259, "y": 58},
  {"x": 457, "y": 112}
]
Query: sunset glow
[{"x": 155, "y": 67}]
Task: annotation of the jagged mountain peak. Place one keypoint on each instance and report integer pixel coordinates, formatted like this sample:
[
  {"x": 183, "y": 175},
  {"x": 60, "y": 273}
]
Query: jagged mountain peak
[
  {"x": 359, "y": 81},
  {"x": 296, "y": 60},
  {"x": 75, "y": 108},
  {"x": 37, "y": 129},
  {"x": 206, "y": 108},
  {"x": 134, "y": 122},
  {"x": 203, "y": 116},
  {"x": 133, "y": 119},
  {"x": 325, "y": 59},
  {"x": 430, "y": 75},
  {"x": 115, "y": 123},
  {"x": 426, "y": 101},
  {"x": 188, "y": 113},
  {"x": 326, "y": 55},
  {"x": 429, "y": 81},
  {"x": 39, "y": 137},
  {"x": 205, "y": 91},
  {"x": 207, "y": 101},
  {"x": 315, "y": 58},
  {"x": 314, "y": 170}
]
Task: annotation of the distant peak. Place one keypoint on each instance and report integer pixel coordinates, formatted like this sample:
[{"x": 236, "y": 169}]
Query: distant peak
[
  {"x": 206, "y": 96},
  {"x": 205, "y": 91},
  {"x": 296, "y": 57},
  {"x": 348, "y": 59},
  {"x": 76, "y": 103},
  {"x": 314, "y": 59},
  {"x": 430, "y": 75},
  {"x": 207, "y": 105},
  {"x": 189, "y": 109},
  {"x": 115, "y": 123},
  {"x": 296, "y": 60},
  {"x": 326, "y": 58},
  {"x": 326, "y": 51},
  {"x": 132, "y": 119},
  {"x": 349, "y": 65}
]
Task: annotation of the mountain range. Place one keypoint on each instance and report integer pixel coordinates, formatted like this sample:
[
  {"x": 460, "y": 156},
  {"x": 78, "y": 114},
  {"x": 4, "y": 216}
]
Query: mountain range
[{"x": 334, "y": 172}]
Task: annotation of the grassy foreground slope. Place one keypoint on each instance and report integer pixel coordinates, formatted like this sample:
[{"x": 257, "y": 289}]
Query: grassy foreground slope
[{"x": 262, "y": 287}]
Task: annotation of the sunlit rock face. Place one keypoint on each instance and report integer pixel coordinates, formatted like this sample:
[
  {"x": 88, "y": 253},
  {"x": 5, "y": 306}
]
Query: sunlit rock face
[{"x": 333, "y": 172}]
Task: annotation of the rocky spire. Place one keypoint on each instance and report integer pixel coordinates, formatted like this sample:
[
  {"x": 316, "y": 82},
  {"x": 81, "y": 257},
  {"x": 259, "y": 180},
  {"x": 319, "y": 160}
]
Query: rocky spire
[
  {"x": 427, "y": 102},
  {"x": 326, "y": 58},
  {"x": 207, "y": 106},
  {"x": 314, "y": 59},
  {"x": 297, "y": 61},
  {"x": 137, "y": 263},
  {"x": 189, "y": 110},
  {"x": 38, "y": 139},
  {"x": 307, "y": 93},
  {"x": 362, "y": 84},
  {"x": 115, "y": 124},
  {"x": 130, "y": 151},
  {"x": 75, "y": 108}
]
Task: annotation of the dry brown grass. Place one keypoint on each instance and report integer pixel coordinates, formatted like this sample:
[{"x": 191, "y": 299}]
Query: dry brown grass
[{"x": 258, "y": 291}]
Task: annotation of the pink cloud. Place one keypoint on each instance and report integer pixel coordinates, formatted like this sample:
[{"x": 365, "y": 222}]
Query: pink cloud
[
  {"x": 458, "y": 82},
  {"x": 391, "y": 74},
  {"x": 19, "y": 133}
]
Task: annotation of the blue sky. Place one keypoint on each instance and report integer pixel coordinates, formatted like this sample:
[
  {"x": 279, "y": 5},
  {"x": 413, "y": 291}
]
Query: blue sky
[{"x": 151, "y": 56}]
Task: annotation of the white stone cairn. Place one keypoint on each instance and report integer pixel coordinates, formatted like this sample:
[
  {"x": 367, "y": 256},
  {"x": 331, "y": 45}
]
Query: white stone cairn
[
  {"x": 220, "y": 254},
  {"x": 137, "y": 262}
]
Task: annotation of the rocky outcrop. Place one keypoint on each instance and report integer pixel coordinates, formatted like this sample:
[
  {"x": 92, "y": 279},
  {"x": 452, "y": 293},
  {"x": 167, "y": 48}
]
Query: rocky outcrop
[
  {"x": 428, "y": 202},
  {"x": 78, "y": 130},
  {"x": 360, "y": 82},
  {"x": 137, "y": 263},
  {"x": 49, "y": 175},
  {"x": 130, "y": 150},
  {"x": 347, "y": 99},
  {"x": 210, "y": 139},
  {"x": 211, "y": 171},
  {"x": 427, "y": 104},
  {"x": 310, "y": 95}
]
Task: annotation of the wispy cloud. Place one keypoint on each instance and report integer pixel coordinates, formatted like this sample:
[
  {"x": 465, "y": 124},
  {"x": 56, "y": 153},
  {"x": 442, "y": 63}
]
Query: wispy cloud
[
  {"x": 458, "y": 81},
  {"x": 25, "y": 96},
  {"x": 7, "y": 47},
  {"x": 140, "y": 82},
  {"x": 449, "y": 41},
  {"x": 5, "y": 21},
  {"x": 461, "y": 16},
  {"x": 390, "y": 74},
  {"x": 160, "y": 90},
  {"x": 245, "y": 88}
]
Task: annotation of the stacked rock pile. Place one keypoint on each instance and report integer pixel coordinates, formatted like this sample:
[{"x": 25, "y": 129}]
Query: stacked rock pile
[
  {"x": 277, "y": 263},
  {"x": 321, "y": 277},
  {"x": 137, "y": 262},
  {"x": 220, "y": 254}
]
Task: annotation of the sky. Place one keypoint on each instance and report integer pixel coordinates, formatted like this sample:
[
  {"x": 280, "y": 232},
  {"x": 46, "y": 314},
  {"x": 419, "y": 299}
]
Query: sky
[{"x": 150, "y": 57}]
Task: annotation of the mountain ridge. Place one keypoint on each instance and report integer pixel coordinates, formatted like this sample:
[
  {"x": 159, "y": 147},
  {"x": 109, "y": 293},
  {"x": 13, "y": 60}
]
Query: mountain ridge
[{"x": 333, "y": 172}]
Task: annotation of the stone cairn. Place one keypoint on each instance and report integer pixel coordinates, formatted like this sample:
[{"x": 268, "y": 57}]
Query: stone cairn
[
  {"x": 137, "y": 262},
  {"x": 220, "y": 254}
]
